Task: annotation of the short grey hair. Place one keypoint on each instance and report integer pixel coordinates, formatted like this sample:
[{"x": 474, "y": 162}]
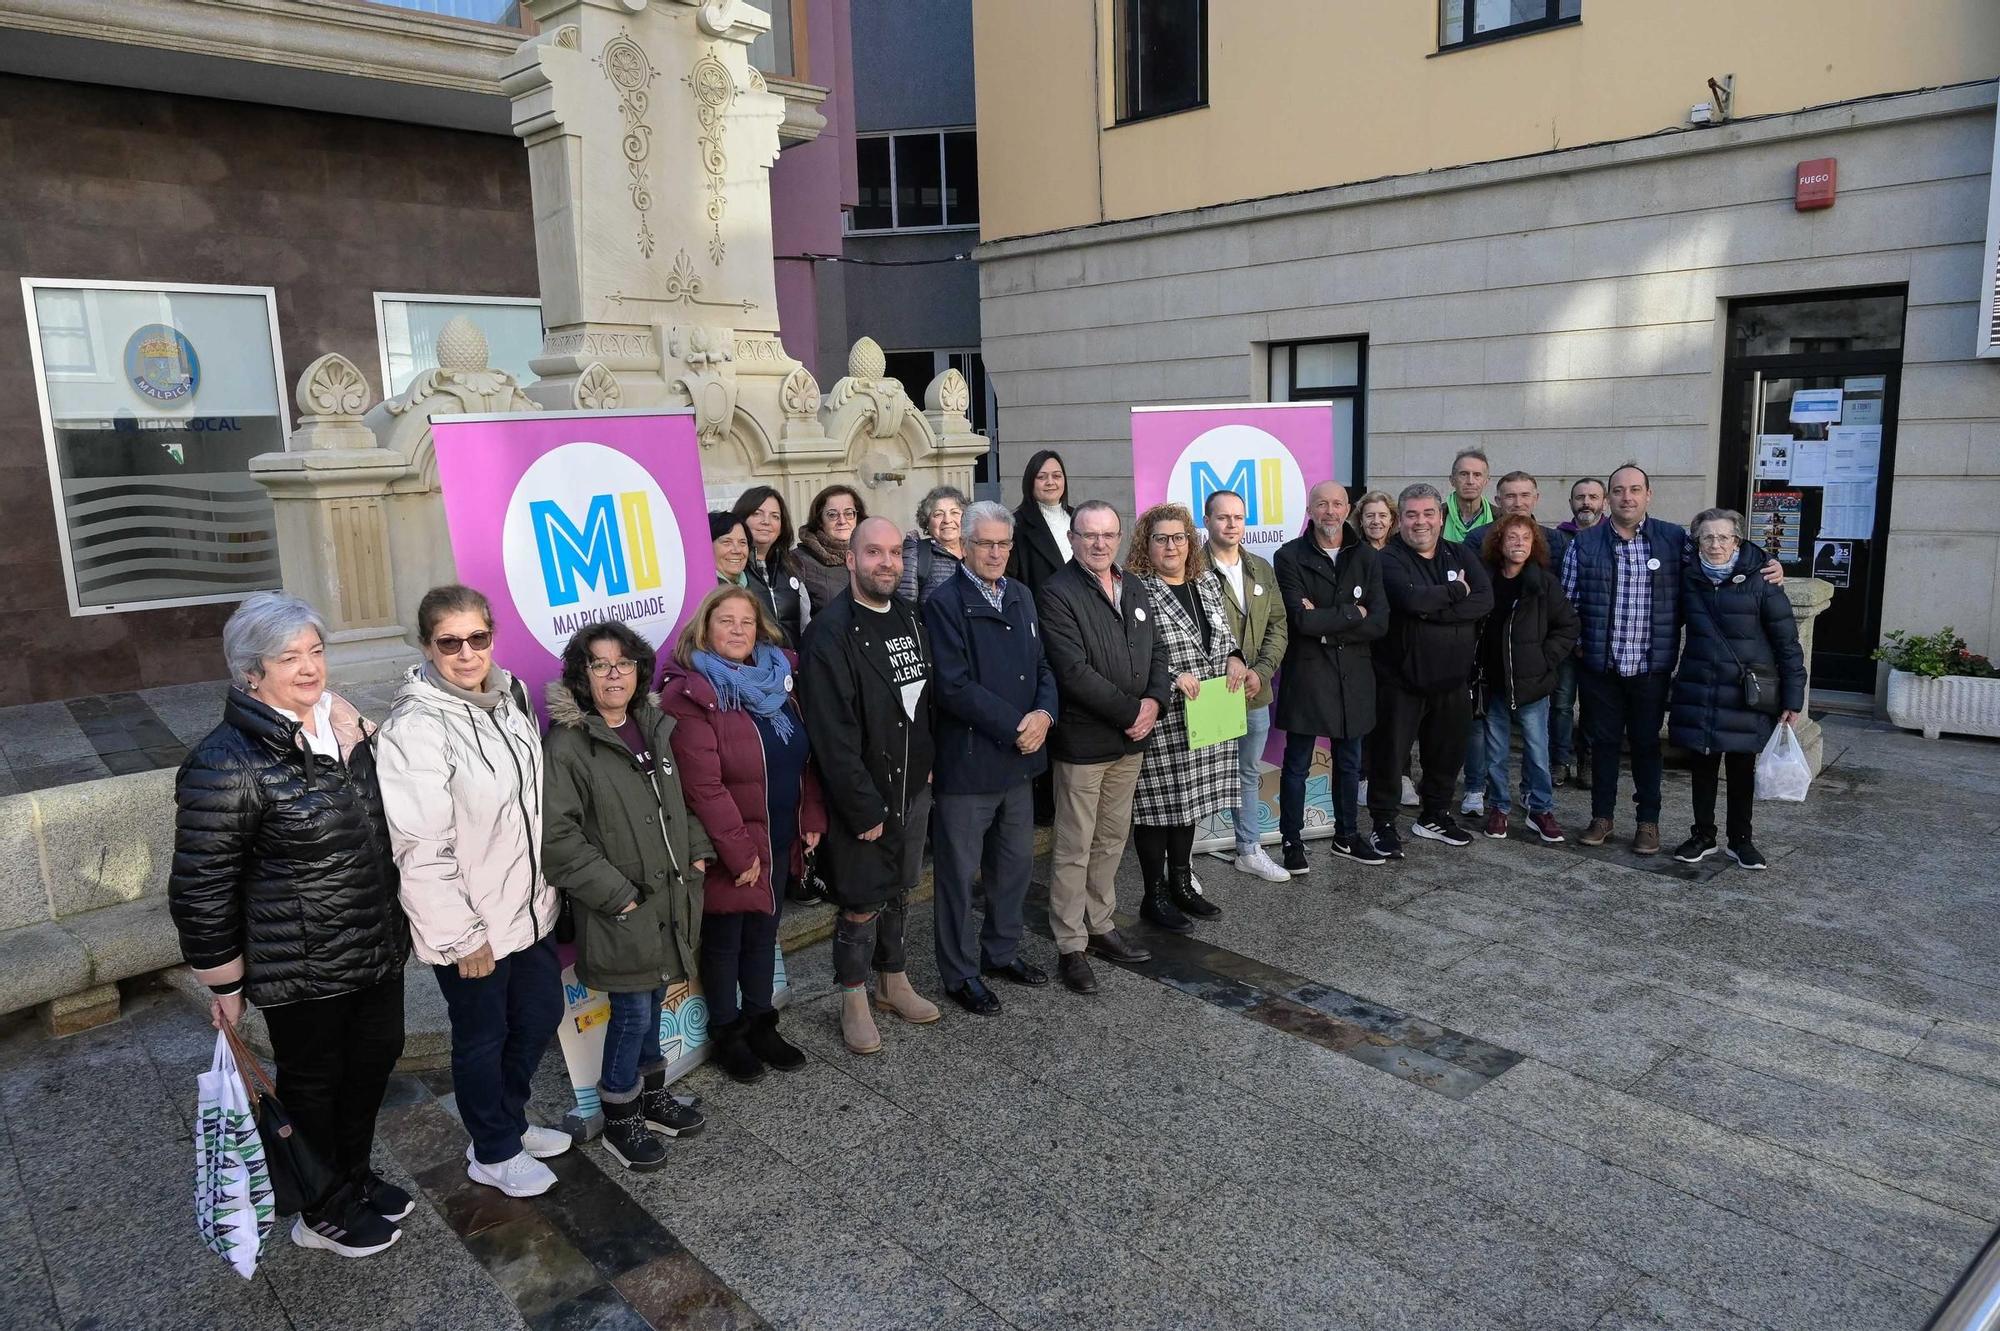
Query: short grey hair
[
  {"x": 1421, "y": 490},
  {"x": 988, "y": 511},
  {"x": 927, "y": 506},
  {"x": 1095, "y": 506},
  {"x": 1728, "y": 515},
  {"x": 262, "y": 627},
  {"x": 1472, "y": 452}
]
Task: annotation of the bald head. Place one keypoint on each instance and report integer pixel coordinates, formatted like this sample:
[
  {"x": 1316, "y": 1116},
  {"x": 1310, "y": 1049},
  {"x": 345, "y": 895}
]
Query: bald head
[{"x": 875, "y": 560}]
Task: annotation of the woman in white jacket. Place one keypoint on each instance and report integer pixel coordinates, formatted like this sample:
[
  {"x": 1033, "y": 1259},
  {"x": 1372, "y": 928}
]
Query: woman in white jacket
[{"x": 461, "y": 771}]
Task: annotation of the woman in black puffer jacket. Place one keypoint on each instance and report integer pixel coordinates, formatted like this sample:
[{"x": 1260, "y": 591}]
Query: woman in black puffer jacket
[
  {"x": 284, "y": 892},
  {"x": 1734, "y": 618},
  {"x": 1522, "y": 645}
]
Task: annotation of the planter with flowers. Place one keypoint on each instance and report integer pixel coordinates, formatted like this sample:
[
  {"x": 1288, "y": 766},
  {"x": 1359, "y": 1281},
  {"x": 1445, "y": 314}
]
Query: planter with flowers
[{"x": 1937, "y": 685}]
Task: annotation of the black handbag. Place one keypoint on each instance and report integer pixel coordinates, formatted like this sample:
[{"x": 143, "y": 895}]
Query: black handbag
[
  {"x": 1757, "y": 679},
  {"x": 300, "y": 1178}
]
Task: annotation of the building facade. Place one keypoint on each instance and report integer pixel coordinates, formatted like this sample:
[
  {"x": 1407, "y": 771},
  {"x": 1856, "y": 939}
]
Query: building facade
[{"x": 1571, "y": 234}]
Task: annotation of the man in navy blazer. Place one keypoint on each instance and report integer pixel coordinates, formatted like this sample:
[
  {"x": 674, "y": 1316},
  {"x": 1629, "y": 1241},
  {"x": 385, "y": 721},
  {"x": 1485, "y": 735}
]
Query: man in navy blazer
[{"x": 996, "y": 699}]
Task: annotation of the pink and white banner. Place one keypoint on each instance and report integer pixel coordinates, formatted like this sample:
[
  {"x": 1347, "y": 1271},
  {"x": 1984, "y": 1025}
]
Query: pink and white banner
[{"x": 567, "y": 518}]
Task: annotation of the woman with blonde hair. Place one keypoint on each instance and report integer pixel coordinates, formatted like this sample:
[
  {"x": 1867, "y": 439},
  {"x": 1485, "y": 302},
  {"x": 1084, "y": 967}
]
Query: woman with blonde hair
[
  {"x": 1178, "y": 787},
  {"x": 741, "y": 743},
  {"x": 1375, "y": 515}
]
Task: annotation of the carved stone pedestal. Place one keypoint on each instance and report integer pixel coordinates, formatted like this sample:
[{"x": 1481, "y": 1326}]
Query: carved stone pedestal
[{"x": 1809, "y": 597}]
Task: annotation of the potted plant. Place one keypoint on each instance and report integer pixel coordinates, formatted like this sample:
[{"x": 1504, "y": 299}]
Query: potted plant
[{"x": 1937, "y": 684}]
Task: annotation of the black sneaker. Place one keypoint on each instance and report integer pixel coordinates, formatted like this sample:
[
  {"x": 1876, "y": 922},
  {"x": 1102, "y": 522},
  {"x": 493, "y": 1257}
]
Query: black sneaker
[
  {"x": 1387, "y": 844},
  {"x": 1441, "y": 827},
  {"x": 1696, "y": 848},
  {"x": 346, "y": 1225},
  {"x": 1746, "y": 855},
  {"x": 1358, "y": 848},
  {"x": 627, "y": 1138},
  {"x": 383, "y": 1198},
  {"x": 1295, "y": 859},
  {"x": 662, "y": 1112}
]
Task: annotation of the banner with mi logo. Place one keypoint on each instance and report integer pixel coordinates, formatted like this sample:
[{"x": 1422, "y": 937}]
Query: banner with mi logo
[{"x": 1268, "y": 453}]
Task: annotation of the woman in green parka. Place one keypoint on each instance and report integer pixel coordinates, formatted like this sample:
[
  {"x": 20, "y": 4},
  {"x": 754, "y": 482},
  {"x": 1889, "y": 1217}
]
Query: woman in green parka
[{"x": 617, "y": 838}]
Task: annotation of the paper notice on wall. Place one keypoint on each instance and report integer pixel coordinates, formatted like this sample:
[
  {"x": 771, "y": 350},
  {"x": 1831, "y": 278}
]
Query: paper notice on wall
[
  {"x": 1848, "y": 512},
  {"x": 1774, "y": 457},
  {"x": 1774, "y": 524},
  {"x": 1833, "y": 562},
  {"x": 1861, "y": 411},
  {"x": 1853, "y": 452},
  {"x": 1816, "y": 406},
  {"x": 1808, "y": 462}
]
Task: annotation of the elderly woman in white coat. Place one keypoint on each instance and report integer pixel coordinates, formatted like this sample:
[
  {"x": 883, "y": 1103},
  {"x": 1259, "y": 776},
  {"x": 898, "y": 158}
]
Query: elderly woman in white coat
[{"x": 461, "y": 772}]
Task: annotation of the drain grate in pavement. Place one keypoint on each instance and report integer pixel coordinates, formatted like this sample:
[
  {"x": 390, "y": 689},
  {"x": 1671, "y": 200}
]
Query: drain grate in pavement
[{"x": 583, "y": 1254}]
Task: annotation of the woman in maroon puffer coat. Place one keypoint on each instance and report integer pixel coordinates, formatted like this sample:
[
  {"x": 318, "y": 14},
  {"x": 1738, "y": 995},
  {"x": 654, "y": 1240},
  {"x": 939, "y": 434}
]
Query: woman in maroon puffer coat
[{"x": 745, "y": 775}]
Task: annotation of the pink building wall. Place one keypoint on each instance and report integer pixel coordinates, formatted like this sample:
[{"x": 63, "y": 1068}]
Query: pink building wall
[{"x": 810, "y": 186}]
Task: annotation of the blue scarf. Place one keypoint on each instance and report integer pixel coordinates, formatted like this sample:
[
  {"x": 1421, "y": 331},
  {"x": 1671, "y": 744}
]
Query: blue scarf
[
  {"x": 1717, "y": 575},
  {"x": 755, "y": 686}
]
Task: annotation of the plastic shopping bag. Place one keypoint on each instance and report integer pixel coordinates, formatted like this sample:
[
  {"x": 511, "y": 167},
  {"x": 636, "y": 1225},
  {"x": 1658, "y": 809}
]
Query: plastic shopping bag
[
  {"x": 1782, "y": 773},
  {"x": 232, "y": 1187}
]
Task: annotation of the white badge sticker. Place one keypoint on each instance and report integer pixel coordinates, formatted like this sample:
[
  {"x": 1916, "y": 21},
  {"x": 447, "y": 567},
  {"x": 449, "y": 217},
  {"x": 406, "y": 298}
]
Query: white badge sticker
[
  {"x": 795, "y": 584},
  {"x": 1357, "y": 591},
  {"x": 1737, "y": 578},
  {"x": 788, "y": 683},
  {"x": 1139, "y": 613},
  {"x": 1654, "y": 564},
  {"x": 1451, "y": 575}
]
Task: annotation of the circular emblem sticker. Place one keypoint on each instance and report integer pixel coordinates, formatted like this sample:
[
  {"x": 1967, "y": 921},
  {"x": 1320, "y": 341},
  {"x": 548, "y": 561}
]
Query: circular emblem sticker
[
  {"x": 589, "y": 536},
  {"x": 160, "y": 363},
  {"x": 1256, "y": 589},
  {"x": 1140, "y": 614},
  {"x": 1654, "y": 564},
  {"x": 1357, "y": 591}
]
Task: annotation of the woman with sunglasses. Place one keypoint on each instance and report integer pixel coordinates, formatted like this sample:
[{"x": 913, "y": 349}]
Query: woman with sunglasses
[
  {"x": 461, "y": 772},
  {"x": 619, "y": 841}
]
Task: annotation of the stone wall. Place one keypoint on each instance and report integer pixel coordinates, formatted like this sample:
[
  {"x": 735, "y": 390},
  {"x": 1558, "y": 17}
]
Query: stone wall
[
  {"x": 1565, "y": 311},
  {"x": 125, "y": 185}
]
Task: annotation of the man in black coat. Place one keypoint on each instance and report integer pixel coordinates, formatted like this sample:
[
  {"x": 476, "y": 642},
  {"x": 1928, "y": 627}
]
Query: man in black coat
[
  {"x": 865, "y": 691},
  {"x": 1112, "y": 680},
  {"x": 1437, "y": 595},
  {"x": 1332, "y": 587},
  {"x": 996, "y": 699}
]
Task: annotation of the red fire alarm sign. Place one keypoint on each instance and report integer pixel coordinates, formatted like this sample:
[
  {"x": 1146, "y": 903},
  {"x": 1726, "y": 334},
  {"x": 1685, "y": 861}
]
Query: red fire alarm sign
[{"x": 1816, "y": 182}]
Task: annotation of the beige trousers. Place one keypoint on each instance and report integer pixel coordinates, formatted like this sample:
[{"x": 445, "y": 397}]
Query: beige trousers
[{"x": 1093, "y": 818}]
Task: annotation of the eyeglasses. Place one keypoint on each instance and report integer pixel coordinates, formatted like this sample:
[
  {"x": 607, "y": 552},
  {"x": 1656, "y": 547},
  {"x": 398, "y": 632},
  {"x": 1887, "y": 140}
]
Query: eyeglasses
[
  {"x": 993, "y": 545},
  {"x": 1718, "y": 538},
  {"x": 839, "y": 515},
  {"x": 601, "y": 667},
  {"x": 1171, "y": 537},
  {"x": 448, "y": 645}
]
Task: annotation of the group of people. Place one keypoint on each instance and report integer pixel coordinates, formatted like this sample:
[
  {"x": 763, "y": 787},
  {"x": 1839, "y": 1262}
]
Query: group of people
[{"x": 849, "y": 695}]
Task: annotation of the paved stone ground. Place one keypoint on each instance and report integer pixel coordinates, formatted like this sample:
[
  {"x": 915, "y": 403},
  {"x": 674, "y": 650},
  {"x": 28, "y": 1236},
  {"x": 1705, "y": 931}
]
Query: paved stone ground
[{"x": 1740, "y": 1101}]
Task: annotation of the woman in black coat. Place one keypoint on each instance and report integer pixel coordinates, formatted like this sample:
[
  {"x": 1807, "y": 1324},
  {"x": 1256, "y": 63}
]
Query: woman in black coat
[
  {"x": 283, "y": 890},
  {"x": 1531, "y": 632},
  {"x": 1041, "y": 523},
  {"x": 769, "y": 525},
  {"x": 1734, "y": 619}
]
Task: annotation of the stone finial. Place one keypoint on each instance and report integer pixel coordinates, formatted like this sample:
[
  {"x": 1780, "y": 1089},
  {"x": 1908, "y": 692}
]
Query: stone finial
[
  {"x": 332, "y": 386},
  {"x": 461, "y": 346},
  {"x": 866, "y": 360},
  {"x": 949, "y": 393},
  {"x": 597, "y": 389}
]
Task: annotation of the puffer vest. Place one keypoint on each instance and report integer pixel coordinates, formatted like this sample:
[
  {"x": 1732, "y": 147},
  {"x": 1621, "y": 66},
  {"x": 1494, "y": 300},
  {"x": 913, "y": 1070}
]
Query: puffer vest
[{"x": 1597, "y": 593}]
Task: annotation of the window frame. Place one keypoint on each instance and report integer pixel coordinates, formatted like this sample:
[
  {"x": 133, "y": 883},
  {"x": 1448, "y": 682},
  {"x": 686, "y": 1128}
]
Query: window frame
[
  {"x": 1125, "y": 65},
  {"x": 801, "y": 48},
  {"x": 29, "y": 285},
  {"x": 1552, "y": 18},
  {"x": 1357, "y": 393},
  {"x": 433, "y": 298},
  {"x": 944, "y": 183}
]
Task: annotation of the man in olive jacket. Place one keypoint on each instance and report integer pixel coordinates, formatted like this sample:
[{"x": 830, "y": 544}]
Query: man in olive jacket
[
  {"x": 1250, "y": 604},
  {"x": 1112, "y": 683}
]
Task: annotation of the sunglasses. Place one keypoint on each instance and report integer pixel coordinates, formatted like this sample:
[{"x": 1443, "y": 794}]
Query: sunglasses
[{"x": 448, "y": 645}]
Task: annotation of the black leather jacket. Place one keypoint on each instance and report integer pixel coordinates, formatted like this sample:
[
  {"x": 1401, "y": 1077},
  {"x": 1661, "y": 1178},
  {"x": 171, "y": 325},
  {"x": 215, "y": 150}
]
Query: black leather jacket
[{"x": 281, "y": 856}]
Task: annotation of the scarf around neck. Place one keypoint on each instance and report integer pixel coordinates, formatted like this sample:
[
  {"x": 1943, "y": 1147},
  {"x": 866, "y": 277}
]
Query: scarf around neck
[
  {"x": 494, "y": 694},
  {"x": 761, "y": 685},
  {"x": 823, "y": 547}
]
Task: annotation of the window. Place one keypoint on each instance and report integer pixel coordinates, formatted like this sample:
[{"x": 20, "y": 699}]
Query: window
[
  {"x": 915, "y": 182},
  {"x": 779, "y": 52},
  {"x": 154, "y": 399},
  {"x": 407, "y": 328},
  {"x": 1333, "y": 371},
  {"x": 1162, "y": 48},
  {"x": 915, "y": 370},
  {"x": 1500, "y": 18},
  {"x": 507, "y": 13}
]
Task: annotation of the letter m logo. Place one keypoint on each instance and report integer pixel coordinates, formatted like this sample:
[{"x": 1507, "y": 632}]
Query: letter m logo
[
  {"x": 573, "y": 559},
  {"x": 1243, "y": 480}
]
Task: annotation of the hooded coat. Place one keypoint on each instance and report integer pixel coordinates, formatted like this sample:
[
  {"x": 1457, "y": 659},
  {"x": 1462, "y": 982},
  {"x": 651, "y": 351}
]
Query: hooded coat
[{"x": 614, "y": 838}]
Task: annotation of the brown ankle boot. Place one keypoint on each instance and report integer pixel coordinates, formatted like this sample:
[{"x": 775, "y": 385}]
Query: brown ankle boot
[
  {"x": 857, "y": 1024},
  {"x": 894, "y": 994}
]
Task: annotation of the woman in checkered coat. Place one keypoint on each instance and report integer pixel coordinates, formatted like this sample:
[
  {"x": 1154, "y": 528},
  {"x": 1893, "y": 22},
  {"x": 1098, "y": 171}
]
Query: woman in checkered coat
[{"x": 1177, "y": 789}]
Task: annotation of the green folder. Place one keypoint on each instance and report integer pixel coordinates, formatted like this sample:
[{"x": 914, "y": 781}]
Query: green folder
[{"x": 1216, "y": 714}]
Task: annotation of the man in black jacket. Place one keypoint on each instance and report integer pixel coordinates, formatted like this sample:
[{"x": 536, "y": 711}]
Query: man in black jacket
[
  {"x": 866, "y": 698},
  {"x": 1112, "y": 682},
  {"x": 1437, "y": 595},
  {"x": 1332, "y": 587}
]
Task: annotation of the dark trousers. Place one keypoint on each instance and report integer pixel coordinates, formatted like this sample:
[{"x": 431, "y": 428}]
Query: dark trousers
[
  {"x": 1292, "y": 785},
  {"x": 500, "y": 1026},
  {"x": 1708, "y": 770},
  {"x": 1439, "y": 722},
  {"x": 1624, "y": 709},
  {"x": 334, "y": 1057},
  {"x": 1162, "y": 850},
  {"x": 738, "y": 956},
  {"x": 991, "y": 835}
]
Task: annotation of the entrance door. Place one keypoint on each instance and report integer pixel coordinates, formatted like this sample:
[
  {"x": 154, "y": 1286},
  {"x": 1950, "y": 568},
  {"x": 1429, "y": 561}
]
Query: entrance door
[{"x": 1808, "y": 454}]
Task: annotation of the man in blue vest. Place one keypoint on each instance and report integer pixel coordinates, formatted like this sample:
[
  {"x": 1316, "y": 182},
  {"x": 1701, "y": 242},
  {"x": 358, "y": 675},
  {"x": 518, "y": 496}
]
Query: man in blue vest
[{"x": 1624, "y": 578}]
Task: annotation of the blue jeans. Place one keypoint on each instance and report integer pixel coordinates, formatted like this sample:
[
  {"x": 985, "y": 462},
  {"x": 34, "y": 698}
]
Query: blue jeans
[
  {"x": 1562, "y": 715},
  {"x": 1249, "y": 819},
  {"x": 1538, "y": 785},
  {"x": 500, "y": 1026},
  {"x": 631, "y": 1045},
  {"x": 1292, "y": 785}
]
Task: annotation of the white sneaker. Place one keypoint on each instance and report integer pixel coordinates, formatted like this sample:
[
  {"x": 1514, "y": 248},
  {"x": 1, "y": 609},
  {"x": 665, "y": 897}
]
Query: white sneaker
[
  {"x": 1473, "y": 806},
  {"x": 544, "y": 1143},
  {"x": 523, "y": 1176},
  {"x": 1258, "y": 863},
  {"x": 1410, "y": 800}
]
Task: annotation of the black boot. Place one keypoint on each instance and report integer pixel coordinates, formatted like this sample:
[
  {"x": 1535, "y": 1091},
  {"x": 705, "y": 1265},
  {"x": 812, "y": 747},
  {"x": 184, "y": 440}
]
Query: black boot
[
  {"x": 1180, "y": 887},
  {"x": 628, "y": 1139},
  {"x": 665, "y": 1112},
  {"x": 733, "y": 1054},
  {"x": 765, "y": 1042},
  {"x": 1158, "y": 908}
]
